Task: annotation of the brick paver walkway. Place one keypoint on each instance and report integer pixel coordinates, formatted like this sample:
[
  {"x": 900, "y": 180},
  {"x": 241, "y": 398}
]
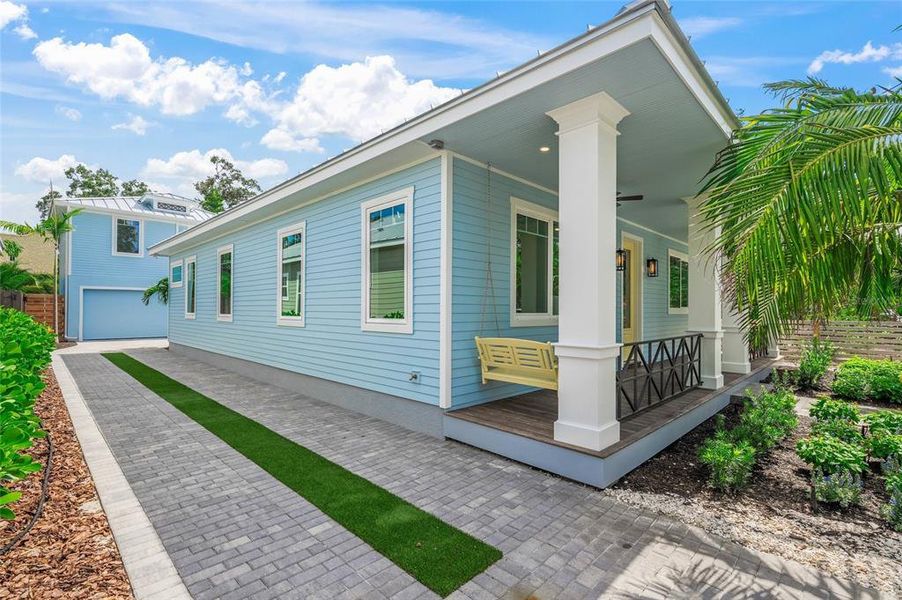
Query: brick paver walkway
[{"x": 235, "y": 532}]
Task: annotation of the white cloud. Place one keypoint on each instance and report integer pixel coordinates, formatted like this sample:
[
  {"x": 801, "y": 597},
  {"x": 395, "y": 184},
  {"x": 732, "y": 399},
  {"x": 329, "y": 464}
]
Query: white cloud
[
  {"x": 182, "y": 169},
  {"x": 279, "y": 139},
  {"x": 137, "y": 125},
  {"x": 10, "y": 12},
  {"x": 25, "y": 32},
  {"x": 894, "y": 71},
  {"x": 44, "y": 170},
  {"x": 124, "y": 69},
  {"x": 73, "y": 114},
  {"x": 868, "y": 53},
  {"x": 748, "y": 71},
  {"x": 357, "y": 100},
  {"x": 701, "y": 26}
]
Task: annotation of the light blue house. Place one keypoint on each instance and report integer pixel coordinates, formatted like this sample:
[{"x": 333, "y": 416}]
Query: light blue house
[
  {"x": 553, "y": 203},
  {"x": 105, "y": 266}
]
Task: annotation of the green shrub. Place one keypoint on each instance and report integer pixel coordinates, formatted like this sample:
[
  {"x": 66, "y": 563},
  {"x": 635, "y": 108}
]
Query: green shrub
[
  {"x": 892, "y": 511},
  {"x": 730, "y": 463},
  {"x": 884, "y": 445},
  {"x": 766, "y": 419},
  {"x": 825, "y": 409},
  {"x": 831, "y": 455},
  {"x": 885, "y": 421},
  {"x": 816, "y": 359},
  {"x": 842, "y": 487},
  {"x": 846, "y": 431},
  {"x": 866, "y": 379},
  {"x": 25, "y": 347}
]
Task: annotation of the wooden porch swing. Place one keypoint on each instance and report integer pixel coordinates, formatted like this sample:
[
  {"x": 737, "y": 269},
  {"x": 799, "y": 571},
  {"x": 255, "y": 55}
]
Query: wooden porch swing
[{"x": 511, "y": 360}]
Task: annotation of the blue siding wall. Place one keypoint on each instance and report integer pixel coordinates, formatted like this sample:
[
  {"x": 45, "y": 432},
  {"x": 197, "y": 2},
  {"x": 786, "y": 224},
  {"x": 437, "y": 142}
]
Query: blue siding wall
[
  {"x": 331, "y": 345},
  {"x": 93, "y": 263},
  {"x": 475, "y": 308}
]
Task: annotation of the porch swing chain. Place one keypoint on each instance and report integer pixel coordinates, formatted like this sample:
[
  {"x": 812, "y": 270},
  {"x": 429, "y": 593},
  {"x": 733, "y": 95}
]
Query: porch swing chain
[{"x": 489, "y": 288}]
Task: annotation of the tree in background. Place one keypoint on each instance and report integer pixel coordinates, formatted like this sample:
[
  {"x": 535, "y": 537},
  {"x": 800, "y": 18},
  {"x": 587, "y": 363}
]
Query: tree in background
[
  {"x": 809, "y": 203},
  {"x": 88, "y": 183},
  {"x": 230, "y": 184},
  {"x": 46, "y": 202},
  {"x": 133, "y": 187}
]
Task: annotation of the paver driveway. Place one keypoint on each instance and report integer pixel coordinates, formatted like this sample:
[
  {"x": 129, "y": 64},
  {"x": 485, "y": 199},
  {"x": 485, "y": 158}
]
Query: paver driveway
[{"x": 233, "y": 531}]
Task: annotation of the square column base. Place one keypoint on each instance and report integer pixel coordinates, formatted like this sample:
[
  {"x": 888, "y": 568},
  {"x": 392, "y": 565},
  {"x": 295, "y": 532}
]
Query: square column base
[
  {"x": 743, "y": 368},
  {"x": 587, "y": 395},
  {"x": 593, "y": 438},
  {"x": 712, "y": 382}
]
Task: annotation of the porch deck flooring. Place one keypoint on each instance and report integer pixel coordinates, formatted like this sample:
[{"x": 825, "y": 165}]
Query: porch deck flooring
[{"x": 533, "y": 415}]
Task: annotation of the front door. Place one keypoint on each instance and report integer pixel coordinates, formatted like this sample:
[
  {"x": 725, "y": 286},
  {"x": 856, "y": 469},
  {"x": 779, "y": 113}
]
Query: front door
[{"x": 632, "y": 273}]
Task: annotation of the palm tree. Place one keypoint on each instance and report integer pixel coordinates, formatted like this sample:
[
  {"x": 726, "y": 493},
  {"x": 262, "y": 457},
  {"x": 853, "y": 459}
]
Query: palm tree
[
  {"x": 52, "y": 229},
  {"x": 808, "y": 200},
  {"x": 160, "y": 289}
]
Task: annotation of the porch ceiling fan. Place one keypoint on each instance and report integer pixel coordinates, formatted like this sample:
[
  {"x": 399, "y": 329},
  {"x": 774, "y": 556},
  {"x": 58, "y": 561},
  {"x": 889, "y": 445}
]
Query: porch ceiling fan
[{"x": 633, "y": 198}]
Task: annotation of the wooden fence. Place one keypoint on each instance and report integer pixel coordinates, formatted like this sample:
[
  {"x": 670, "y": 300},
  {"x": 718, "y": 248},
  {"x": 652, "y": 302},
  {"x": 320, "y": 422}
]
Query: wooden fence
[
  {"x": 39, "y": 306},
  {"x": 870, "y": 339}
]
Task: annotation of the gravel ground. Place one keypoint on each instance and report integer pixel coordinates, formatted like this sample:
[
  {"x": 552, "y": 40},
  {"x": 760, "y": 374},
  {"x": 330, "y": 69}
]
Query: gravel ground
[
  {"x": 70, "y": 552},
  {"x": 774, "y": 514}
]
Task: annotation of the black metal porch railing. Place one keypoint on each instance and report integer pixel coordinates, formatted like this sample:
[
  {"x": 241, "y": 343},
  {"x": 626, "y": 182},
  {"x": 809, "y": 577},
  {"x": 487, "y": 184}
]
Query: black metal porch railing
[{"x": 653, "y": 371}]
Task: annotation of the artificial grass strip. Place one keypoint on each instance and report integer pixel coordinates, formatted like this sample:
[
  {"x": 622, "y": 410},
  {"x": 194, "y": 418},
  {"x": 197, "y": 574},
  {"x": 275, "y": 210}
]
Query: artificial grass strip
[{"x": 438, "y": 555}]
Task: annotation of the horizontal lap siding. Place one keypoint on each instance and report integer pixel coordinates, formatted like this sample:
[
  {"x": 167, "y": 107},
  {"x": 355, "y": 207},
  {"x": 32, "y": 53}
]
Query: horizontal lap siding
[
  {"x": 656, "y": 322},
  {"x": 475, "y": 221},
  {"x": 331, "y": 345},
  {"x": 93, "y": 263}
]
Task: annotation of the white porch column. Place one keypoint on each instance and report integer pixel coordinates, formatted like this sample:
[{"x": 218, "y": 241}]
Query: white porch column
[
  {"x": 704, "y": 297},
  {"x": 587, "y": 347},
  {"x": 773, "y": 350},
  {"x": 735, "y": 347}
]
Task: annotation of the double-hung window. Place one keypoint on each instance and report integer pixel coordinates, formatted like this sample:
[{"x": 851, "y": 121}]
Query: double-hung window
[
  {"x": 175, "y": 274},
  {"x": 190, "y": 287},
  {"x": 387, "y": 259},
  {"x": 128, "y": 237},
  {"x": 291, "y": 244},
  {"x": 534, "y": 264},
  {"x": 224, "y": 269},
  {"x": 678, "y": 283}
]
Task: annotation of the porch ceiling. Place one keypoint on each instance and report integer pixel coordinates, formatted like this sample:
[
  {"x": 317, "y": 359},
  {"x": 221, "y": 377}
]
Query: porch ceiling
[{"x": 666, "y": 145}]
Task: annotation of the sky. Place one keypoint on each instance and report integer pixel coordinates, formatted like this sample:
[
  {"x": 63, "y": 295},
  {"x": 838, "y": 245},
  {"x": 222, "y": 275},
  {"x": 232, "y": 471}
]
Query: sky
[{"x": 151, "y": 90}]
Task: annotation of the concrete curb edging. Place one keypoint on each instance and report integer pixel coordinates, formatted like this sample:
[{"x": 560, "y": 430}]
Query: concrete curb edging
[{"x": 147, "y": 564}]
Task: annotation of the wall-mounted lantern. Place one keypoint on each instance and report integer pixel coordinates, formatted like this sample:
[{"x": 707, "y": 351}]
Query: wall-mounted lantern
[
  {"x": 621, "y": 259},
  {"x": 651, "y": 267}
]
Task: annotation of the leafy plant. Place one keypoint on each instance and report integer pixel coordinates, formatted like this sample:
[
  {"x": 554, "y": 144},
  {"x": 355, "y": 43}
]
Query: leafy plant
[
  {"x": 25, "y": 347},
  {"x": 766, "y": 419},
  {"x": 847, "y": 431},
  {"x": 816, "y": 359},
  {"x": 831, "y": 455},
  {"x": 826, "y": 409},
  {"x": 160, "y": 289},
  {"x": 885, "y": 445},
  {"x": 842, "y": 487},
  {"x": 730, "y": 463},
  {"x": 867, "y": 379},
  {"x": 892, "y": 511},
  {"x": 886, "y": 421}
]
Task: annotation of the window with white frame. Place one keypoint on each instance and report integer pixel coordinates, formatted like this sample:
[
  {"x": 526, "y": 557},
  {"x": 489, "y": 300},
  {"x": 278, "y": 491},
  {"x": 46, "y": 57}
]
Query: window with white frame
[
  {"x": 190, "y": 287},
  {"x": 224, "y": 269},
  {"x": 128, "y": 237},
  {"x": 387, "y": 263},
  {"x": 291, "y": 243},
  {"x": 535, "y": 233},
  {"x": 175, "y": 274},
  {"x": 677, "y": 283}
]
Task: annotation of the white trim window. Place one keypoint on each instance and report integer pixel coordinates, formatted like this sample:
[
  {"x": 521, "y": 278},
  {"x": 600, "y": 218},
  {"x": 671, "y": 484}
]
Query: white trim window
[
  {"x": 291, "y": 261},
  {"x": 128, "y": 237},
  {"x": 535, "y": 232},
  {"x": 387, "y": 259},
  {"x": 190, "y": 287},
  {"x": 225, "y": 268},
  {"x": 176, "y": 274},
  {"x": 677, "y": 283}
]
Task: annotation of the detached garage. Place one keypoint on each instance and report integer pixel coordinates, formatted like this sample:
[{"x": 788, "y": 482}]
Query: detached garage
[{"x": 109, "y": 314}]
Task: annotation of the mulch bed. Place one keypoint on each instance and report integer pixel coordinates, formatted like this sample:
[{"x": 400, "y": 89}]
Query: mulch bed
[
  {"x": 774, "y": 513},
  {"x": 70, "y": 551}
]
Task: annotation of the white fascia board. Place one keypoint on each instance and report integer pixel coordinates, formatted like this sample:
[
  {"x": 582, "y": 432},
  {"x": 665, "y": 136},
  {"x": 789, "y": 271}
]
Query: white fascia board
[{"x": 622, "y": 31}]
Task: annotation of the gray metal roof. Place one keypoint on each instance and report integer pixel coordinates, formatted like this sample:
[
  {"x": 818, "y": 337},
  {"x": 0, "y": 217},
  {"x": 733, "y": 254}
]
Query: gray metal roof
[{"x": 145, "y": 206}]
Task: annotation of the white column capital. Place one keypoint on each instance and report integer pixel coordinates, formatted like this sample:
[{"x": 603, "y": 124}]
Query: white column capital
[{"x": 597, "y": 108}]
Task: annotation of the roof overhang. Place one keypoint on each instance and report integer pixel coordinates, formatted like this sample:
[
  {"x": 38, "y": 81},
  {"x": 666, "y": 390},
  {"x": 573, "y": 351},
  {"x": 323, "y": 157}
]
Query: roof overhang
[{"x": 647, "y": 22}]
